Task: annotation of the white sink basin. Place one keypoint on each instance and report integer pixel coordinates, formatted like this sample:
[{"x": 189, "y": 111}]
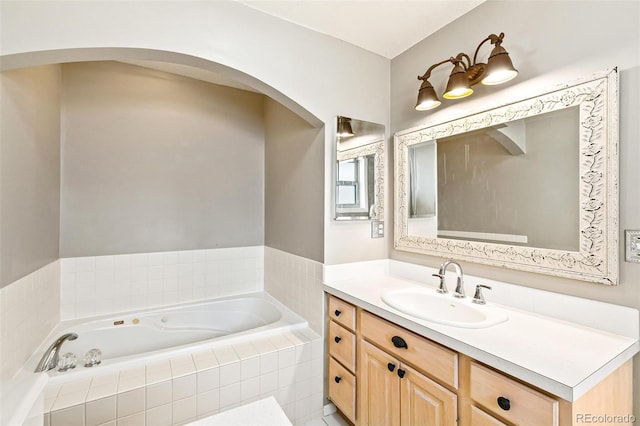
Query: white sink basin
[{"x": 444, "y": 309}]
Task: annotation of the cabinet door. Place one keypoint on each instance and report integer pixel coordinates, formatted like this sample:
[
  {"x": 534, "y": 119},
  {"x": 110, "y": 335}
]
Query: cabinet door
[
  {"x": 379, "y": 388},
  {"x": 424, "y": 402}
]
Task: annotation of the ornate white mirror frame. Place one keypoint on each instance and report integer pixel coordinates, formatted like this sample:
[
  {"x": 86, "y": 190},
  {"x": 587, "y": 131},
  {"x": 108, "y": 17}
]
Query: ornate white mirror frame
[{"x": 597, "y": 258}]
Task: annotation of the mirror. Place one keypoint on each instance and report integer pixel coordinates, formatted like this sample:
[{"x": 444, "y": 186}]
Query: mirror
[
  {"x": 359, "y": 193},
  {"x": 531, "y": 185}
]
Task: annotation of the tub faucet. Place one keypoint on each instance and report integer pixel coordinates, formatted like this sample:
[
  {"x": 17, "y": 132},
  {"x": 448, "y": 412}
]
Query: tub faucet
[
  {"x": 459, "y": 291},
  {"x": 49, "y": 360}
]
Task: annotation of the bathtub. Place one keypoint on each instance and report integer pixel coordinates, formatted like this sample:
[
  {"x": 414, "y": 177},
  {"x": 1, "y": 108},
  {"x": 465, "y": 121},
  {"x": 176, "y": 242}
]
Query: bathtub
[{"x": 142, "y": 336}]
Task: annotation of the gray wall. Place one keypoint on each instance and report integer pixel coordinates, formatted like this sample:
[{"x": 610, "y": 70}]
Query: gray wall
[
  {"x": 544, "y": 39},
  {"x": 29, "y": 170},
  {"x": 535, "y": 194},
  {"x": 294, "y": 200},
  {"x": 154, "y": 162}
]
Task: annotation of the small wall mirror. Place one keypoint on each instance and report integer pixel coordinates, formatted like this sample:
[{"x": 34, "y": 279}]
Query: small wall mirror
[
  {"x": 531, "y": 185},
  {"x": 359, "y": 171}
]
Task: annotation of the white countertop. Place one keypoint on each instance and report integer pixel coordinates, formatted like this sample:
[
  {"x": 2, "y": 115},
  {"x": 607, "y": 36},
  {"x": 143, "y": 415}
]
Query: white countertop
[{"x": 560, "y": 357}]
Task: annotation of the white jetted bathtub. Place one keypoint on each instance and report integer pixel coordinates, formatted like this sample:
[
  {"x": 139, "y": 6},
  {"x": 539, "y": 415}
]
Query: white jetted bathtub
[{"x": 155, "y": 332}]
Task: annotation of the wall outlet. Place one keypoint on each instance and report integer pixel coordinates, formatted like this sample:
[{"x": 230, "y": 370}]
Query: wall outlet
[
  {"x": 632, "y": 244},
  {"x": 377, "y": 229}
]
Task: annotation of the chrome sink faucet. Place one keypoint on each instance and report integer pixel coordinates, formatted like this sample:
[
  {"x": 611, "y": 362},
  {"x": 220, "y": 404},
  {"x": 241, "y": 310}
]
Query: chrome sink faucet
[
  {"x": 49, "y": 360},
  {"x": 459, "y": 291}
]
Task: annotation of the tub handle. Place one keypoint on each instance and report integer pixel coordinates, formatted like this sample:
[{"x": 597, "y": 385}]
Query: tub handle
[
  {"x": 337, "y": 339},
  {"x": 337, "y": 312}
]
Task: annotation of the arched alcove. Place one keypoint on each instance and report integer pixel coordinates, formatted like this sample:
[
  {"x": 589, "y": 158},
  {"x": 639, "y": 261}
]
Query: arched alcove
[
  {"x": 291, "y": 223},
  {"x": 48, "y": 57}
]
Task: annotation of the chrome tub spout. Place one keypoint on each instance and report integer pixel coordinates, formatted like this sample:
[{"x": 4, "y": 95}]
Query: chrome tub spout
[{"x": 49, "y": 360}]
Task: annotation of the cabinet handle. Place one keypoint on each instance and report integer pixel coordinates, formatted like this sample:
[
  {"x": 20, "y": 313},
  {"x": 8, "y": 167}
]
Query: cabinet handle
[
  {"x": 337, "y": 312},
  {"x": 399, "y": 342},
  {"x": 504, "y": 403},
  {"x": 401, "y": 373},
  {"x": 337, "y": 379},
  {"x": 337, "y": 339},
  {"x": 391, "y": 367}
]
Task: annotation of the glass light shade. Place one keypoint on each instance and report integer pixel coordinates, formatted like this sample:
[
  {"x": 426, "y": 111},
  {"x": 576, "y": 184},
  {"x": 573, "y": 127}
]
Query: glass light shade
[
  {"x": 499, "y": 68},
  {"x": 458, "y": 85},
  {"x": 344, "y": 127},
  {"x": 427, "y": 98}
]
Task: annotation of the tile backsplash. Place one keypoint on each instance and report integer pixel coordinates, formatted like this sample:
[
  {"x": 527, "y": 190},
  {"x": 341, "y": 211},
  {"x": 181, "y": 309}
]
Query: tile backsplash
[
  {"x": 81, "y": 287},
  {"x": 107, "y": 284},
  {"x": 29, "y": 310},
  {"x": 297, "y": 282}
]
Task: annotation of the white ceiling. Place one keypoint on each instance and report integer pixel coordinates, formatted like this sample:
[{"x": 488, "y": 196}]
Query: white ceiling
[{"x": 385, "y": 27}]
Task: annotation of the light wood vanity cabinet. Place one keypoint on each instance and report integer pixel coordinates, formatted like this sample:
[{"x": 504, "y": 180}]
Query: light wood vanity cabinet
[
  {"x": 342, "y": 356},
  {"x": 392, "y": 393},
  {"x": 509, "y": 399},
  {"x": 383, "y": 374}
]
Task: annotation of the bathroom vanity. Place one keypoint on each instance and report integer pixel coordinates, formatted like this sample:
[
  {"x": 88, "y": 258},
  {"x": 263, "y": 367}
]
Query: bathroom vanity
[{"x": 389, "y": 368}]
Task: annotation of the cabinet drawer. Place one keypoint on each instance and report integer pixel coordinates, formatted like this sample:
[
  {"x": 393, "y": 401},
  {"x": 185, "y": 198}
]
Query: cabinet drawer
[
  {"x": 342, "y": 389},
  {"x": 342, "y": 312},
  {"x": 510, "y": 399},
  {"x": 424, "y": 355},
  {"x": 480, "y": 418},
  {"x": 342, "y": 345}
]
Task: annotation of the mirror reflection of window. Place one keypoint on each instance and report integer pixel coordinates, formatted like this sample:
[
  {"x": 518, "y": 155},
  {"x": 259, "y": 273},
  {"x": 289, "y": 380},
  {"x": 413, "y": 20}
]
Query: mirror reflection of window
[
  {"x": 423, "y": 179},
  {"x": 354, "y": 188},
  {"x": 348, "y": 183},
  {"x": 423, "y": 189}
]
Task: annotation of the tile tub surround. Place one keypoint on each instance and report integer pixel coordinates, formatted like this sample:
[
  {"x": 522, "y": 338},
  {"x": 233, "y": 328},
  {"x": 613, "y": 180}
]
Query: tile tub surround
[
  {"x": 296, "y": 282},
  {"x": 172, "y": 391},
  {"x": 109, "y": 284},
  {"x": 29, "y": 310}
]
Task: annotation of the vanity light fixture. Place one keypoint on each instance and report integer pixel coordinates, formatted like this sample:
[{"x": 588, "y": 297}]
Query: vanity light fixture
[
  {"x": 497, "y": 70},
  {"x": 344, "y": 127}
]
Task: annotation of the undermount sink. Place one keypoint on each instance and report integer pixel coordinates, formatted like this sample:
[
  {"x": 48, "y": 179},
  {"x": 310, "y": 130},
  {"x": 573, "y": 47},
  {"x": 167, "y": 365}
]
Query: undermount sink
[{"x": 443, "y": 309}]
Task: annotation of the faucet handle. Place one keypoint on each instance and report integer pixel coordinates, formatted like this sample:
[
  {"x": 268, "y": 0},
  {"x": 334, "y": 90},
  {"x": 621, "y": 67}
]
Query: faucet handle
[
  {"x": 478, "y": 298},
  {"x": 442, "y": 288}
]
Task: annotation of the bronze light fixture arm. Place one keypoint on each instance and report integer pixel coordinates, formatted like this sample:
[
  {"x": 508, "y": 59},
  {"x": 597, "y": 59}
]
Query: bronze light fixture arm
[
  {"x": 427, "y": 73},
  {"x": 466, "y": 73},
  {"x": 495, "y": 39}
]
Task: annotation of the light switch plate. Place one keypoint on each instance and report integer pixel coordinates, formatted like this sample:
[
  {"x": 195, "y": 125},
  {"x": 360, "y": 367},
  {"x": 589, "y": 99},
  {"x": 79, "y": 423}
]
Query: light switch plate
[
  {"x": 632, "y": 244},
  {"x": 377, "y": 229}
]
